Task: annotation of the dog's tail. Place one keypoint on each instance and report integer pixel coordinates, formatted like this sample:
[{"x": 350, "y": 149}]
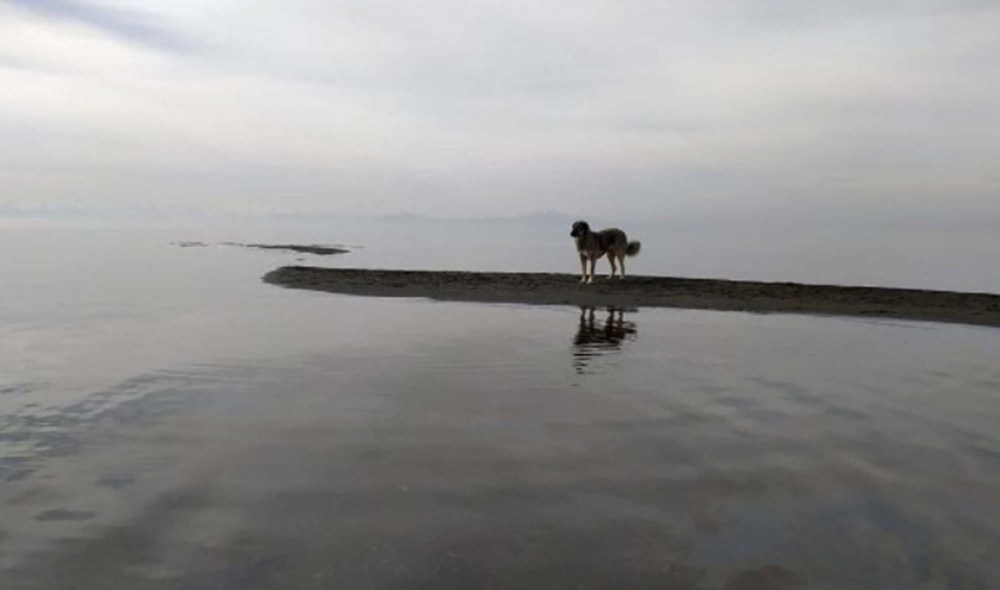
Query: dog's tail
[{"x": 632, "y": 249}]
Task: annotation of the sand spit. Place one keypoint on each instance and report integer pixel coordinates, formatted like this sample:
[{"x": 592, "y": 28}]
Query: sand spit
[{"x": 646, "y": 291}]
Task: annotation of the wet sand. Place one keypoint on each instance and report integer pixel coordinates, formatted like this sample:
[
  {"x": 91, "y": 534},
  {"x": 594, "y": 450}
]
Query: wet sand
[{"x": 646, "y": 291}]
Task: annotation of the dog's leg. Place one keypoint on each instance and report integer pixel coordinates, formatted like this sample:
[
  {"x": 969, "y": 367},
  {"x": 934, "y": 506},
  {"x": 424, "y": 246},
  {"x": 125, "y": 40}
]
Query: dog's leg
[
  {"x": 593, "y": 266},
  {"x": 583, "y": 268},
  {"x": 614, "y": 269},
  {"x": 621, "y": 263}
]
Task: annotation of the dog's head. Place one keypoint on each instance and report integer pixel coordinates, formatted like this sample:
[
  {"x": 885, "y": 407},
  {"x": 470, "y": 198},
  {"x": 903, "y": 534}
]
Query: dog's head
[{"x": 579, "y": 228}]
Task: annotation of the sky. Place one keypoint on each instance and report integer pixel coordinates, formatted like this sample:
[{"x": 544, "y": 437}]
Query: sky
[{"x": 621, "y": 108}]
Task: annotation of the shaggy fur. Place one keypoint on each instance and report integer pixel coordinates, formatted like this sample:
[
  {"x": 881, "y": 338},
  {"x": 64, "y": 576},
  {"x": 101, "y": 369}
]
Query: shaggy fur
[{"x": 592, "y": 245}]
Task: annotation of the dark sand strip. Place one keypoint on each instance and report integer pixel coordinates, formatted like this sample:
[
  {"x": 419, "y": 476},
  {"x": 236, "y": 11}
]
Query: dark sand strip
[
  {"x": 318, "y": 249},
  {"x": 640, "y": 291}
]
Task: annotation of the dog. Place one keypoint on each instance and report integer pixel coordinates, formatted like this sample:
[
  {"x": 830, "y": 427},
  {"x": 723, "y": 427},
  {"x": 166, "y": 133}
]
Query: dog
[{"x": 592, "y": 245}]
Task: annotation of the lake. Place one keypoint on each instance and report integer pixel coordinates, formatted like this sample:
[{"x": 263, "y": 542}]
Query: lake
[{"x": 169, "y": 421}]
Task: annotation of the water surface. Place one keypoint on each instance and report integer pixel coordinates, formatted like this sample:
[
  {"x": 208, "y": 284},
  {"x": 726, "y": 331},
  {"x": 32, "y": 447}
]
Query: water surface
[{"x": 168, "y": 421}]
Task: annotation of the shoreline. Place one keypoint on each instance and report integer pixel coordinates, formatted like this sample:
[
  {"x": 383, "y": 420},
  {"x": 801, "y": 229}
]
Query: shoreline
[{"x": 982, "y": 309}]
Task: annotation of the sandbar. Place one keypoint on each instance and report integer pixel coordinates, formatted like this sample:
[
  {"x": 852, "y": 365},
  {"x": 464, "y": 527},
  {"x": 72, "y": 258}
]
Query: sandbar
[{"x": 649, "y": 291}]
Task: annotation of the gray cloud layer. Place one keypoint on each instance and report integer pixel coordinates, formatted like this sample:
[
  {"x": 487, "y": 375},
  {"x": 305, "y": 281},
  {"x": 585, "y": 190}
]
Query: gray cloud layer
[
  {"x": 126, "y": 24},
  {"x": 627, "y": 108}
]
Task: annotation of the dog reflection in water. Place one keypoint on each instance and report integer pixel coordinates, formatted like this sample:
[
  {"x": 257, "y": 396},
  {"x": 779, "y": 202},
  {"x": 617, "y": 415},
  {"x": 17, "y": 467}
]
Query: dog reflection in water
[{"x": 594, "y": 339}]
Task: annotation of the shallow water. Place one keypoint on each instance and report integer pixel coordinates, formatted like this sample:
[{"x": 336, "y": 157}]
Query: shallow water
[{"x": 168, "y": 421}]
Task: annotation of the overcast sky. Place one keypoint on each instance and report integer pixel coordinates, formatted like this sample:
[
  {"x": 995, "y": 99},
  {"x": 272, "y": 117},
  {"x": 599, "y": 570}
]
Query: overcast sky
[{"x": 441, "y": 107}]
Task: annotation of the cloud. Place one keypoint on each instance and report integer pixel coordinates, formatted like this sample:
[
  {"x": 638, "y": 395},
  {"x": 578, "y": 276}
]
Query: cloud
[
  {"x": 135, "y": 27},
  {"x": 497, "y": 108}
]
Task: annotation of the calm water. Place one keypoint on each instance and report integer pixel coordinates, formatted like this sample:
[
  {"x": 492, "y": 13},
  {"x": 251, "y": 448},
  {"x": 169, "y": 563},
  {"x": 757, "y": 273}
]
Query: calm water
[{"x": 168, "y": 421}]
